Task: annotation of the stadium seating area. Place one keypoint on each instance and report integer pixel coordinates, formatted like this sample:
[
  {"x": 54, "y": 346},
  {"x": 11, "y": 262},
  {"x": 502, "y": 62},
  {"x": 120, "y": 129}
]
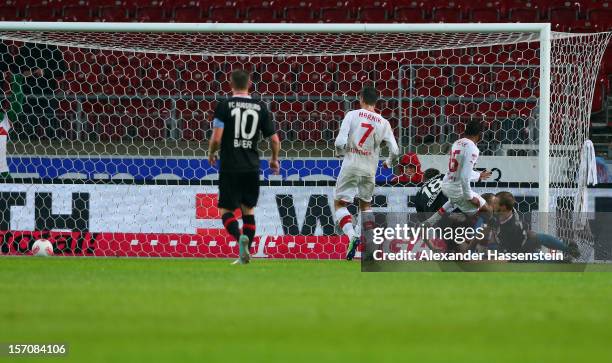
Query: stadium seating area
[
  {"x": 306, "y": 94},
  {"x": 580, "y": 15},
  {"x": 96, "y": 73}
]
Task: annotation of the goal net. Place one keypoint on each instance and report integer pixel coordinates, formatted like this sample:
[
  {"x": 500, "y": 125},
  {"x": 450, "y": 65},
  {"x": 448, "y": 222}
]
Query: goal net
[{"x": 106, "y": 127}]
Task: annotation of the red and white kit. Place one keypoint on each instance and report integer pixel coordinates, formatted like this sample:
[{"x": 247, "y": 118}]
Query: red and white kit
[
  {"x": 456, "y": 183},
  {"x": 361, "y": 134}
]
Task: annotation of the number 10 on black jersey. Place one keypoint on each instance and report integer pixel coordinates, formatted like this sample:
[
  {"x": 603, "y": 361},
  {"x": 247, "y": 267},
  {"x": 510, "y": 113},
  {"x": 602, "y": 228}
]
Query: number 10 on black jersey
[
  {"x": 243, "y": 135},
  {"x": 244, "y": 121}
]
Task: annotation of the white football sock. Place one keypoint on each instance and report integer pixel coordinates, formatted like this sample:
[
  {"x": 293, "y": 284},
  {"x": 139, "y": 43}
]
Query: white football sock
[{"x": 345, "y": 221}]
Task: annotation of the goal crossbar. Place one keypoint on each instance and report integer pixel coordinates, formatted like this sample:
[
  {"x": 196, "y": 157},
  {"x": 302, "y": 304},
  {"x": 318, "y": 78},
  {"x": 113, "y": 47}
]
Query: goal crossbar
[{"x": 272, "y": 27}]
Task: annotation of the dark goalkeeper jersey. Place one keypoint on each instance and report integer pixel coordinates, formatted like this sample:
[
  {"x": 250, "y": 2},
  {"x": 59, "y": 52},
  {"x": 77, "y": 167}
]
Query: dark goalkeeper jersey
[
  {"x": 243, "y": 120},
  {"x": 512, "y": 235},
  {"x": 430, "y": 197}
]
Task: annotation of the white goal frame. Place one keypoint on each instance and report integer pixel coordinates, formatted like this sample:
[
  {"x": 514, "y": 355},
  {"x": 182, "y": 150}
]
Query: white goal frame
[{"x": 543, "y": 29}]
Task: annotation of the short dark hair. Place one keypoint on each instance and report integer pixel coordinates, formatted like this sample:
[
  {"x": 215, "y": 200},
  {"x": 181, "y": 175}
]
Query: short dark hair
[
  {"x": 487, "y": 197},
  {"x": 473, "y": 128},
  {"x": 430, "y": 173},
  {"x": 369, "y": 95},
  {"x": 240, "y": 79},
  {"x": 505, "y": 199}
]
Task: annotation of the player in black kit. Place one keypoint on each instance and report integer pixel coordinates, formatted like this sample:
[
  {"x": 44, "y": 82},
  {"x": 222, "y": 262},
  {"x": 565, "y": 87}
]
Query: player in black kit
[
  {"x": 239, "y": 121},
  {"x": 429, "y": 198}
]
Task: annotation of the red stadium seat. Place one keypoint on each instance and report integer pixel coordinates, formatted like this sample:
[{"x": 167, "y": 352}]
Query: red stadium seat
[
  {"x": 600, "y": 4},
  {"x": 185, "y": 3},
  {"x": 372, "y": 14},
  {"x": 369, "y": 3},
  {"x": 582, "y": 29},
  {"x": 430, "y": 5},
  {"x": 447, "y": 15},
  {"x": 76, "y": 13},
  {"x": 114, "y": 14},
  {"x": 103, "y": 3},
  {"x": 261, "y": 15},
  {"x": 8, "y": 13},
  {"x": 30, "y": 3},
  {"x": 193, "y": 127},
  {"x": 334, "y": 15},
  {"x": 154, "y": 14},
  {"x": 96, "y": 5},
  {"x": 224, "y": 14},
  {"x": 247, "y": 4},
  {"x": 188, "y": 14},
  {"x": 40, "y": 13},
  {"x": 298, "y": 15},
  {"x": 409, "y": 15},
  {"x": 151, "y": 128},
  {"x": 601, "y": 18},
  {"x": 320, "y": 4},
  {"x": 108, "y": 127},
  {"x": 484, "y": 15},
  {"x": 566, "y": 15},
  {"x": 136, "y": 4},
  {"x": 548, "y": 6},
  {"x": 524, "y": 15}
]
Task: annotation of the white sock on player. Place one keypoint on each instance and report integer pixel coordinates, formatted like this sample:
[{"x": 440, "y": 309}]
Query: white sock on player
[{"x": 345, "y": 221}]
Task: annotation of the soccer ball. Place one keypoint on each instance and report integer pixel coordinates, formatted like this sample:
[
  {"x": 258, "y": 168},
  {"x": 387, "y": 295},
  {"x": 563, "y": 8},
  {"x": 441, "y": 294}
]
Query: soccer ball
[{"x": 42, "y": 247}]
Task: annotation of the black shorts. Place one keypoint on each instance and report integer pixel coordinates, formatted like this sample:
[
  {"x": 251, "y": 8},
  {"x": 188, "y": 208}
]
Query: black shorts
[{"x": 236, "y": 189}]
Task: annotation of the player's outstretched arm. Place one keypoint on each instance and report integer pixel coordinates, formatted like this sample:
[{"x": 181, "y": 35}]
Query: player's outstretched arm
[
  {"x": 393, "y": 148},
  {"x": 215, "y": 142},
  {"x": 268, "y": 130},
  {"x": 217, "y": 135},
  {"x": 276, "y": 145},
  {"x": 480, "y": 176},
  {"x": 465, "y": 174},
  {"x": 343, "y": 134}
]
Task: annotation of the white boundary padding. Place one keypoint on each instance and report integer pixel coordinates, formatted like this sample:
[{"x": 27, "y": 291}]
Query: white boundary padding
[
  {"x": 544, "y": 122},
  {"x": 271, "y": 27}
]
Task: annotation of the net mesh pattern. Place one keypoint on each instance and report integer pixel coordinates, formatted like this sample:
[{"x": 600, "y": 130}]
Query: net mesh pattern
[{"x": 127, "y": 111}]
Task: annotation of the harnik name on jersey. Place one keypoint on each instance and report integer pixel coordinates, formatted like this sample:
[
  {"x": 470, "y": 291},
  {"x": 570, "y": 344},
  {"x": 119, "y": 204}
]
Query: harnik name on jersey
[
  {"x": 241, "y": 143},
  {"x": 370, "y": 117}
]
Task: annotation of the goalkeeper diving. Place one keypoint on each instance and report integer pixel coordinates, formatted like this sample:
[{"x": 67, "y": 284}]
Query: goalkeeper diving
[{"x": 361, "y": 134}]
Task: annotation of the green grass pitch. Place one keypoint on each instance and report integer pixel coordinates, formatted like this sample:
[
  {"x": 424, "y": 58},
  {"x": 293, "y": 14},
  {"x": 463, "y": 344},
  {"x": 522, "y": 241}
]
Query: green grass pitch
[{"x": 187, "y": 310}]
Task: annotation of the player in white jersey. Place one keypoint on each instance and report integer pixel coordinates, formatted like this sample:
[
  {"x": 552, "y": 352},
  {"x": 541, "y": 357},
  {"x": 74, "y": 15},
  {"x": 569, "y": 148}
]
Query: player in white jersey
[
  {"x": 456, "y": 183},
  {"x": 361, "y": 134}
]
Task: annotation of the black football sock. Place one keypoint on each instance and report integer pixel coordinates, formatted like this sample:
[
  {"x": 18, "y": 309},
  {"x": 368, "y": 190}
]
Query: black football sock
[
  {"x": 231, "y": 224},
  {"x": 248, "y": 226}
]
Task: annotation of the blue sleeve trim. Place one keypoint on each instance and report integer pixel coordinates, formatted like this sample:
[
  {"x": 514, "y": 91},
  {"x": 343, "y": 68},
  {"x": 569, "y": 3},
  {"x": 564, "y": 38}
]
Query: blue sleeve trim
[{"x": 218, "y": 124}]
